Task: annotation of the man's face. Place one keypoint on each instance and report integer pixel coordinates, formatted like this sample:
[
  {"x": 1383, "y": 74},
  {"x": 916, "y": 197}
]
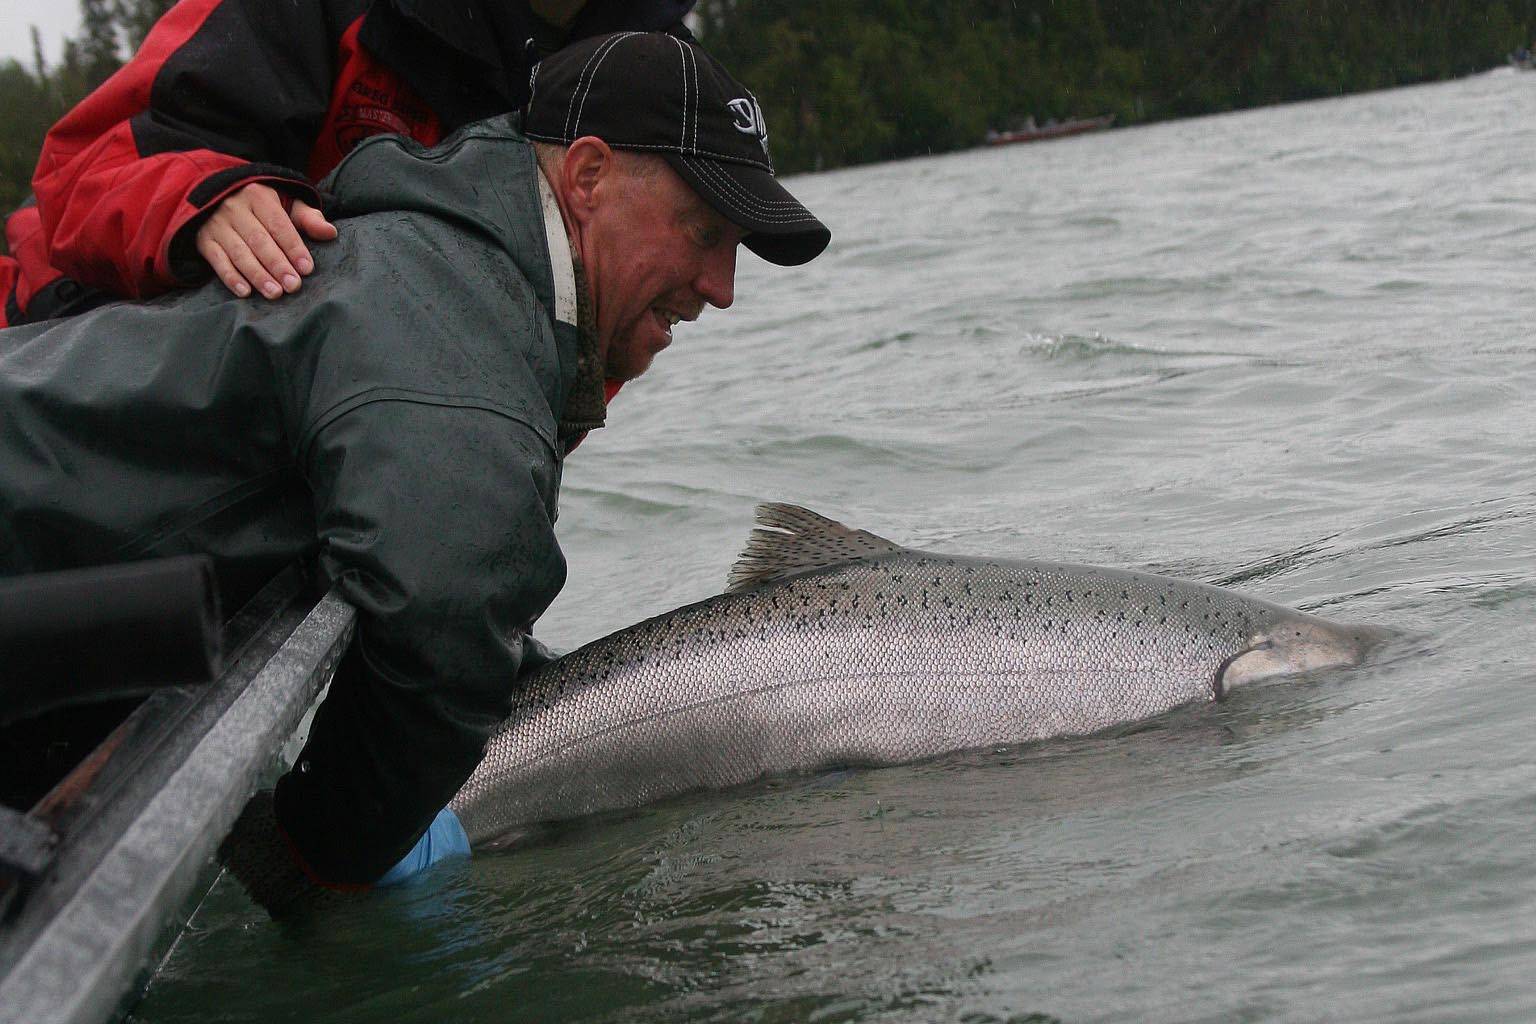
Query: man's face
[{"x": 656, "y": 254}]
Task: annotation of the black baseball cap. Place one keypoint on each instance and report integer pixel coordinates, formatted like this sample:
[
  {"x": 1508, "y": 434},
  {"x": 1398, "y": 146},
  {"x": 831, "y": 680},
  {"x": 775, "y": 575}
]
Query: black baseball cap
[{"x": 657, "y": 93}]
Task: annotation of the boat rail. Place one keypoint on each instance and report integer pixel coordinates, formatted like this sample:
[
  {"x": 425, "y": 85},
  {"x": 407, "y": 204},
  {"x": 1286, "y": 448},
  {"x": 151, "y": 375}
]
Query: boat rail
[{"x": 106, "y": 864}]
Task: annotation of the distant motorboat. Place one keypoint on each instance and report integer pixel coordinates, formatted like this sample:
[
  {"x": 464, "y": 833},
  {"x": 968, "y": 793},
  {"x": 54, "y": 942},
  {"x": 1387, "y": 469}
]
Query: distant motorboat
[{"x": 1031, "y": 132}]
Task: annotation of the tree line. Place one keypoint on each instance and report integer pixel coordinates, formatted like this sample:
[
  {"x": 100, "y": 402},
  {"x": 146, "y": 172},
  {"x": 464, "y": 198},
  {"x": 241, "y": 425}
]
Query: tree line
[
  {"x": 863, "y": 80},
  {"x": 33, "y": 98}
]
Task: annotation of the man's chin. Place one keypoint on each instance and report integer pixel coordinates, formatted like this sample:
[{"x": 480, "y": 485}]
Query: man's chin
[
  {"x": 627, "y": 370},
  {"x": 631, "y": 360}
]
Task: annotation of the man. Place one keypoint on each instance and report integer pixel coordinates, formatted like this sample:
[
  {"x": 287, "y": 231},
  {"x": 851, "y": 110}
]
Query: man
[
  {"x": 202, "y": 152},
  {"x": 404, "y": 419}
]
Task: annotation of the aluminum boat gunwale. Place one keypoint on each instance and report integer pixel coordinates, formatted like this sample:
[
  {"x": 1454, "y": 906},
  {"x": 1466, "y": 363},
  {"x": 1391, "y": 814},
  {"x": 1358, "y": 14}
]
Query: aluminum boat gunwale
[{"x": 137, "y": 824}]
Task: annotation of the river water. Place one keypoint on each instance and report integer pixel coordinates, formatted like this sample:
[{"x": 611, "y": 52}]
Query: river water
[{"x": 1289, "y": 350}]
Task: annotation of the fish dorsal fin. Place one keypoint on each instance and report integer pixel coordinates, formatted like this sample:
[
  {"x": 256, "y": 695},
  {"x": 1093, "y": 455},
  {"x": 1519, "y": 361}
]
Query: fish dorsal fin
[{"x": 790, "y": 540}]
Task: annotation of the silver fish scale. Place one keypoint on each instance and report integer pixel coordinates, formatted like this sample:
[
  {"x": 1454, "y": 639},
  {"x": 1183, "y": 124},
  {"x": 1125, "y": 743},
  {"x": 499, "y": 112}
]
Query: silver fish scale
[{"x": 874, "y": 662}]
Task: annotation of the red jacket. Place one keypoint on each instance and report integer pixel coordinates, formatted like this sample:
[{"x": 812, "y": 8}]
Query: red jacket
[{"x": 228, "y": 92}]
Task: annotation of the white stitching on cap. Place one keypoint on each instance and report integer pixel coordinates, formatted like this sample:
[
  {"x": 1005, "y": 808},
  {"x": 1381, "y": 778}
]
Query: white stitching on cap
[
  {"x": 682, "y": 64},
  {"x": 706, "y": 166},
  {"x": 599, "y": 55},
  {"x": 698, "y": 91},
  {"x": 593, "y": 79},
  {"x": 570, "y": 108},
  {"x": 583, "y": 86},
  {"x": 717, "y": 177},
  {"x": 729, "y": 158}
]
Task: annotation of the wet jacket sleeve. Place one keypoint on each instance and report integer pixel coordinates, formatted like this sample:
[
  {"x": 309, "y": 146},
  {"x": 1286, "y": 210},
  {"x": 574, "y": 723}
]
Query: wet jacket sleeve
[
  {"x": 221, "y": 94},
  {"x": 436, "y": 520}
]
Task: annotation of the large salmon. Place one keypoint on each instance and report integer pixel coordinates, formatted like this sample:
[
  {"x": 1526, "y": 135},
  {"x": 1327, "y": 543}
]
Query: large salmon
[{"x": 833, "y": 646}]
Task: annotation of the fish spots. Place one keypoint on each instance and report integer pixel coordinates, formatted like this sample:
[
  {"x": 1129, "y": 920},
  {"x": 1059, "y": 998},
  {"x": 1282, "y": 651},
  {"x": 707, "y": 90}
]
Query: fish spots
[{"x": 1097, "y": 641}]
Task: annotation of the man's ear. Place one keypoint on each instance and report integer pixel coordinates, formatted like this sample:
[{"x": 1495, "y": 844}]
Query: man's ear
[{"x": 588, "y": 162}]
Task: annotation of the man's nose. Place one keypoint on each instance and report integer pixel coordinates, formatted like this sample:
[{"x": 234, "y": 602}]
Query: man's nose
[{"x": 716, "y": 283}]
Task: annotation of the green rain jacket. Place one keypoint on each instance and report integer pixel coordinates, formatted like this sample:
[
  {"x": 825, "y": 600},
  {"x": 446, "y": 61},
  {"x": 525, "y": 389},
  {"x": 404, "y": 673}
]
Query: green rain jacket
[{"x": 402, "y": 418}]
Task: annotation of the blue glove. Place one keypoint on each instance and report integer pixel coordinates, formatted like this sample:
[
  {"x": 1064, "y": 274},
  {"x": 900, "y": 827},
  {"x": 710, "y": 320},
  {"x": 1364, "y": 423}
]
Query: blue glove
[{"x": 444, "y": 838}]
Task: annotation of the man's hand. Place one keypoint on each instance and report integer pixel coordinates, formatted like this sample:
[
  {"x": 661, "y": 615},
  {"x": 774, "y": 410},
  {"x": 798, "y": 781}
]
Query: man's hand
[
  {"x": 256, "y": 854},
  {"x": 252, "y": 242}
]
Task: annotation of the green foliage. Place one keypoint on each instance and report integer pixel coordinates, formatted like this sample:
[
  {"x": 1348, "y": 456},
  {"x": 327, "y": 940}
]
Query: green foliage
[
  {"x": 136, "y": 17},
  {"x": 25, "y": 115},
  {"x": 96, "y": 49},
  {"x": 32, "y": 99}
]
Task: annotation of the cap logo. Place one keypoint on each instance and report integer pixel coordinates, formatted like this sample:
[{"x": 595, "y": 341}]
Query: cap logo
[{"x": 748, "y": 119}]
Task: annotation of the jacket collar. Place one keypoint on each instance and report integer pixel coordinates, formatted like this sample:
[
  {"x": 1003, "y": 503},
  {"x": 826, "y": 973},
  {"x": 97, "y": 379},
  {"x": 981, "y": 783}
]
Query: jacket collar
[{"x": 586, "y": 407}]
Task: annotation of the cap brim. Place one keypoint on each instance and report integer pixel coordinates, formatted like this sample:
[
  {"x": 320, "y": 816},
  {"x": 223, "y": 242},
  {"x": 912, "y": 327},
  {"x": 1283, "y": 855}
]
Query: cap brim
[{"x": 779, "y": 229}]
